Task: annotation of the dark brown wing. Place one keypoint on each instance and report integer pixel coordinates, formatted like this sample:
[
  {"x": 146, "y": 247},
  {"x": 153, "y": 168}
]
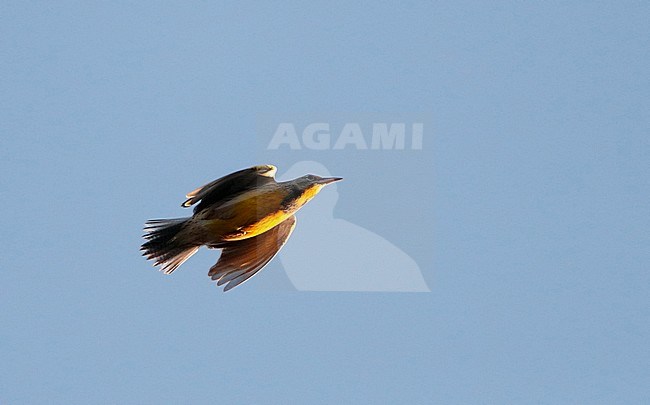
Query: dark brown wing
[
  {"x": 242, "y": 259},
  {"x": 228, "y": 186}
]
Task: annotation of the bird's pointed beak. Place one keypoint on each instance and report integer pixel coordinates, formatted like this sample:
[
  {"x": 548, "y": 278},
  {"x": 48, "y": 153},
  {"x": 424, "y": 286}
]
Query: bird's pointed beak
[{"x": 328, "y": 180}]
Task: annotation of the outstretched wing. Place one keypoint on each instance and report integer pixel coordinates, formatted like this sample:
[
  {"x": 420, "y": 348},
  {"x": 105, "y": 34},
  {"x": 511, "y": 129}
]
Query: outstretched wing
[
  {"x": 241, "y": 260},
  {"x": 228, "y": 186}
]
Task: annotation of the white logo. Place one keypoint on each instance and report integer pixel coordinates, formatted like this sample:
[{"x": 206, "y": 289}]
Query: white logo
[
  {"x": 332, "y": 254},
  {"x": 318, "y": 136}
]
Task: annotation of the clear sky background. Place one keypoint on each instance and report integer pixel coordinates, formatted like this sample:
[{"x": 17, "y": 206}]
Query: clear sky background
[{"x": 527, "y": 209}]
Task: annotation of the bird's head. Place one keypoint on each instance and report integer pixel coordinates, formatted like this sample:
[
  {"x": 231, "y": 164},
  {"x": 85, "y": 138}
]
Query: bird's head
[{"x": 306, "y": 187}]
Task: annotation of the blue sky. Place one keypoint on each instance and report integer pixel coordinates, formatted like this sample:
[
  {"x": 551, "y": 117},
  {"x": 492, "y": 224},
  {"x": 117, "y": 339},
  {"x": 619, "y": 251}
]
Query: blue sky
[{"x": 527, "y": 208}]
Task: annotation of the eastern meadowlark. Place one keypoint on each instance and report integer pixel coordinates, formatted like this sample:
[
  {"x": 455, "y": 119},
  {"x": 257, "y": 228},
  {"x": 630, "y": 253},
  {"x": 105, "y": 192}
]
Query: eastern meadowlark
[{"x": 247, "y": 214}]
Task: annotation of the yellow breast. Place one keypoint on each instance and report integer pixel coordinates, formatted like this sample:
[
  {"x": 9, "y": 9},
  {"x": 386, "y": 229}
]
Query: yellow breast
[{"x": 250, "y": 214}]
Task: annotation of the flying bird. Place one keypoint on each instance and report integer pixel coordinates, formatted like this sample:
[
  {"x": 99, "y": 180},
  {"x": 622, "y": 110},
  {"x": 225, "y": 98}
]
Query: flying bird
[{"x": 247, "y": 214}]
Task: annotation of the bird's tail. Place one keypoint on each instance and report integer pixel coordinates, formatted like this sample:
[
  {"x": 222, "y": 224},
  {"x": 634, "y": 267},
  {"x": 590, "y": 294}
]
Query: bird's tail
[{"x": 165, "y": 243}]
